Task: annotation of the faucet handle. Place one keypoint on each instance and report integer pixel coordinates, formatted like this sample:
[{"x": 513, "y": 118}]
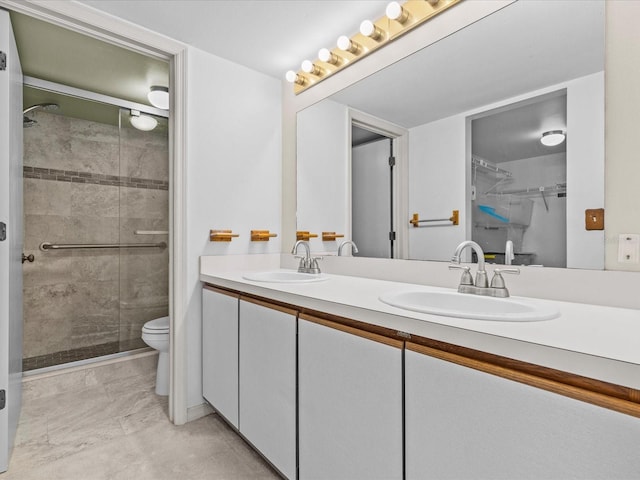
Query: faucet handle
[
  {"x": 466, "y": 279},
  {"x": 497, "y": 281},
  {"x": 314, "y": 261}
]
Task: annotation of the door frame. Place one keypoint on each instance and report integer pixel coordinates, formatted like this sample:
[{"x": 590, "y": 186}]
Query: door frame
[
  {"x": 88, "y": 21},
  {"x": 400, "y": 180}
]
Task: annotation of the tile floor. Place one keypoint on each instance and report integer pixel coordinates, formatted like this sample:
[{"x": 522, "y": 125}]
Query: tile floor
[
  {"x": 107, "y": 423},
  {"x": 83, "y": 353}
]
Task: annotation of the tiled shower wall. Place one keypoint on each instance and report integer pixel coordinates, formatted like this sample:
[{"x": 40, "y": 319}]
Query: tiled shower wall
[{"x": 86, "y": 182}]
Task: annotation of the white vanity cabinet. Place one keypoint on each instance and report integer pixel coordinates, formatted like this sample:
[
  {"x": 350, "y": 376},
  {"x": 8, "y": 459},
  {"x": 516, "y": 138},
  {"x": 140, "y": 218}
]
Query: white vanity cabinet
[
  {"x": 220, "y": 351},
  {"x": 462, "y": 423},
  {"x": 350, "y": 403},
  {"x": 267, "y": 376}
]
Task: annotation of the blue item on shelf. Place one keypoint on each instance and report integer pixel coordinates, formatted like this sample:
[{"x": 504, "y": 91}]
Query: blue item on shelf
[{"x": 492, "y": 212}]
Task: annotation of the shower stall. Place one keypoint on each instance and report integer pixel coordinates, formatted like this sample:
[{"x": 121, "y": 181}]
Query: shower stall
[{"x": 96, "y": 220}]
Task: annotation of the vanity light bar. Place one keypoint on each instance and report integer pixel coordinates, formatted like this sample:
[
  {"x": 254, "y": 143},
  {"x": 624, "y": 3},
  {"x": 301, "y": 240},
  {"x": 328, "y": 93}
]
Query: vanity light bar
[{"x": 372, "y": 36}]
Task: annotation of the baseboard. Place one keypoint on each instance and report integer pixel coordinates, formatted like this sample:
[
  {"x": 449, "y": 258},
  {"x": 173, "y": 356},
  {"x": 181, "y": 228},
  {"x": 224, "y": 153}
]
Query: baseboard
[{"x": 198, "y": 411}]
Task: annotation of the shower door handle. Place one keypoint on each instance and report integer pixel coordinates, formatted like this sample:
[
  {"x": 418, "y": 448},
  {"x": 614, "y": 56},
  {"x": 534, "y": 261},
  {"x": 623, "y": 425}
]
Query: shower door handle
[{"x": 29, "y": 258}]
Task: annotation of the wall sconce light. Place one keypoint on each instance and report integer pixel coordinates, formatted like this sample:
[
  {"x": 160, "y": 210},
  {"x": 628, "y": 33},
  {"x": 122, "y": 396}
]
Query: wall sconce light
[
  {"x": 371, "y": 36},
  {"x": 368, "y": 29},
  {"x": 347, "y": 45},
  {"x": 159, "y": 97},
  {"x": 142, "y": 122},
  {"x": 310, "y": 67},
  {"x": 552, "y": 138}
]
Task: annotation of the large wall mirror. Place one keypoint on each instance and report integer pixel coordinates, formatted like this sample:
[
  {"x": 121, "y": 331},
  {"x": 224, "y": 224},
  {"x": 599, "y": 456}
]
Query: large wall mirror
[{"x": 463, "y": 119}]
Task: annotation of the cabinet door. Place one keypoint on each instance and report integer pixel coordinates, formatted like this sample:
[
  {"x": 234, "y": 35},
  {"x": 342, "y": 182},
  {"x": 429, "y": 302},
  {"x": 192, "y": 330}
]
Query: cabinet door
[
  {"x": 466, "y": 424},
  {"x": 220, "y": 352},
  {"x": 350, "y": 404},
  {"x": 268, "y": 383}
]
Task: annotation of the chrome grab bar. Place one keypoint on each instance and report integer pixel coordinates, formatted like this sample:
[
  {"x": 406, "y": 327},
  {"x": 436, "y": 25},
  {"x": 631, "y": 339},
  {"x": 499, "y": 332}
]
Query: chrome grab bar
[{"x": 51, "y": 246}]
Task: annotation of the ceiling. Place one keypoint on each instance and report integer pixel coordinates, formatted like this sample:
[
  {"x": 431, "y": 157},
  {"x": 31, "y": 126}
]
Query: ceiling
[
  {"x": 270, "y": 36},
  {"x": 59, "y": 55},
  {"x": 520, "y": 48},
  {"x": 512, "y": 133}
]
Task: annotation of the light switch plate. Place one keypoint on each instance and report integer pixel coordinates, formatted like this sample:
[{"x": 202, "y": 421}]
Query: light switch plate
[
  {"x": 594, "y": 219},
  {"x": 629, "y": 248}
]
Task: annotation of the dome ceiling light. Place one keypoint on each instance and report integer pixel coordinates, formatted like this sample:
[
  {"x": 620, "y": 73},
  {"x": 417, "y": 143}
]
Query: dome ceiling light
[
  {"x": 159, "y": 97},
  {"x": 552, "y": 138}
]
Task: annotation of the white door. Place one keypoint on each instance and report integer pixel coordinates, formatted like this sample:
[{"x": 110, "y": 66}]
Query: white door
[
  {"x": 11, "y": 245},
  {"x": 372, "y": 198},
  {"x": 268, "y": 383},
  {"x": 220, "y": 352},
  {"x": 349, "y": 404}
]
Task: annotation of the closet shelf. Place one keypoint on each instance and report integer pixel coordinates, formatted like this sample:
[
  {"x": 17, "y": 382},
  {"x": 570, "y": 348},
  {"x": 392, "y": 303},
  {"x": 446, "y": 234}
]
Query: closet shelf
[
  {"x": 558, "y": 188},
  {"x": 481, "y": 163}
]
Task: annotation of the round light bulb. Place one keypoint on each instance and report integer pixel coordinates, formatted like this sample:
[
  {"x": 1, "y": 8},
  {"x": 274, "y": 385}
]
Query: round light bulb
[
  {"x": 367, "y": 28},
  {"x": 324, "y": 55},
  {"x": 291, "y": 76},
  {"x": 394, "y": 10},
  {"x": 344, "y": 43},
  {"x": 307, "y": 66},
  {"x": 143, "y": 122}
]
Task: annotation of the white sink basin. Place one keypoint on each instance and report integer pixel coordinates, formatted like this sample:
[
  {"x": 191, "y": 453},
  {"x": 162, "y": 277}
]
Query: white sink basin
[
  {"x": 284, "y": 276},
  {"x": 469, "y": 306}
]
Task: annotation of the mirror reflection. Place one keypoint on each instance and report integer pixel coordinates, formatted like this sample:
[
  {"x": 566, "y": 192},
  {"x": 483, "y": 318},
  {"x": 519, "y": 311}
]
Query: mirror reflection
[{"x": 462, "y": 122}]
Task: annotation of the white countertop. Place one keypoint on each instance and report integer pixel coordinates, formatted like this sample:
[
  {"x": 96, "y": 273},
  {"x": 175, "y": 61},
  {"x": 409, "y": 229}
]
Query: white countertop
[{"x": 595, "y": 341}]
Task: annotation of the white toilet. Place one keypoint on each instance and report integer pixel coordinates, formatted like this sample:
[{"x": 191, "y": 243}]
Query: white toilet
[{"x": 155, "y": 333}]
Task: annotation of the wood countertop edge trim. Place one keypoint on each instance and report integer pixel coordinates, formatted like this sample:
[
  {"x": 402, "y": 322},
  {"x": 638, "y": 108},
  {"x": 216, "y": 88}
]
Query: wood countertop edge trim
[
  {"x": 599, "y": 392},
  {"x": 268, "y": 304},
  {"x": 596, "y": 398},
  {"x": 223, "y": 291},
  {"x": 375, "y": 337}
]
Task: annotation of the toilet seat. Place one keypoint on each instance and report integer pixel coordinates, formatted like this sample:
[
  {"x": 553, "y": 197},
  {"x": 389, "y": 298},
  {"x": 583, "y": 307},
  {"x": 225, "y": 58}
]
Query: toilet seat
[{"x": 158, "y": 326}]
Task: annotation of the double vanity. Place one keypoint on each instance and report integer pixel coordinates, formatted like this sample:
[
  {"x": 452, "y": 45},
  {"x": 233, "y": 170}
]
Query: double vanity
[{"x": 340, "y": 376}]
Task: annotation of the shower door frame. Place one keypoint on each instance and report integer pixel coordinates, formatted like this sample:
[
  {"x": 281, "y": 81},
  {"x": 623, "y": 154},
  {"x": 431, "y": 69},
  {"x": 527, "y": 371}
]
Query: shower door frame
[{"x": 83, "y": 19}]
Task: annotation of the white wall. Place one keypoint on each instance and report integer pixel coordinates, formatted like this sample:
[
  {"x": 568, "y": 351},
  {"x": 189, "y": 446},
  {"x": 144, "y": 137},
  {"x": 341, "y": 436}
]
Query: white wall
[
  {"x": 233, "y": 174},
  {"x": 546, "y": 235},
  {"x": 437, "y": 186},
  {"x": 323, "y": 172},
  {"x": 623, "y": 117},
  {"x": 437, "y": 150},
  {"x": 585, "y": 169}
]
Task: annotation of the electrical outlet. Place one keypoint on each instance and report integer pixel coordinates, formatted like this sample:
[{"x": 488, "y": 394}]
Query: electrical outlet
[{"x": 629, "y": 248}]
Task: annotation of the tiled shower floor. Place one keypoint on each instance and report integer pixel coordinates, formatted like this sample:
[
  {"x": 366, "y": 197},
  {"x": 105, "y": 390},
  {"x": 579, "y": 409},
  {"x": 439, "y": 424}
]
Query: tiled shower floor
[{"x": 76, "y": 354}]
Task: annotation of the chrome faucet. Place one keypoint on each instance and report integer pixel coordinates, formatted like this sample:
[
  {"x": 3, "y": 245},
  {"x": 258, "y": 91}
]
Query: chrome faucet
[
  {"x": 354, "y": 248},
  {"x": 308, "y": 264},
  {"x": 481, "y": 286},
  {"x": 481, "y": 274}
]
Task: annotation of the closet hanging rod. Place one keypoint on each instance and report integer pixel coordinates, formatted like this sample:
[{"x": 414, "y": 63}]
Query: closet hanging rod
[{"x": 68, "y": 246}]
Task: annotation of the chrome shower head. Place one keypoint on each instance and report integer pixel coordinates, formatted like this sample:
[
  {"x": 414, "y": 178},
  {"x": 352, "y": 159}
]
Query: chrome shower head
[
  {"x": 43, "y": 106},
  {"x": 28, "y": 122}
]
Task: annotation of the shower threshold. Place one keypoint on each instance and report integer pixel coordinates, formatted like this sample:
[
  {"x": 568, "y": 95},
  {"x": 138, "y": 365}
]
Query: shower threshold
[{"x": 78, "y": 354}]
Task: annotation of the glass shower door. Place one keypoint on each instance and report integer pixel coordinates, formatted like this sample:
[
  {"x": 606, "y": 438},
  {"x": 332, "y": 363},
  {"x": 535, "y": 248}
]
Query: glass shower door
[{"x": 144, "y": 219}]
